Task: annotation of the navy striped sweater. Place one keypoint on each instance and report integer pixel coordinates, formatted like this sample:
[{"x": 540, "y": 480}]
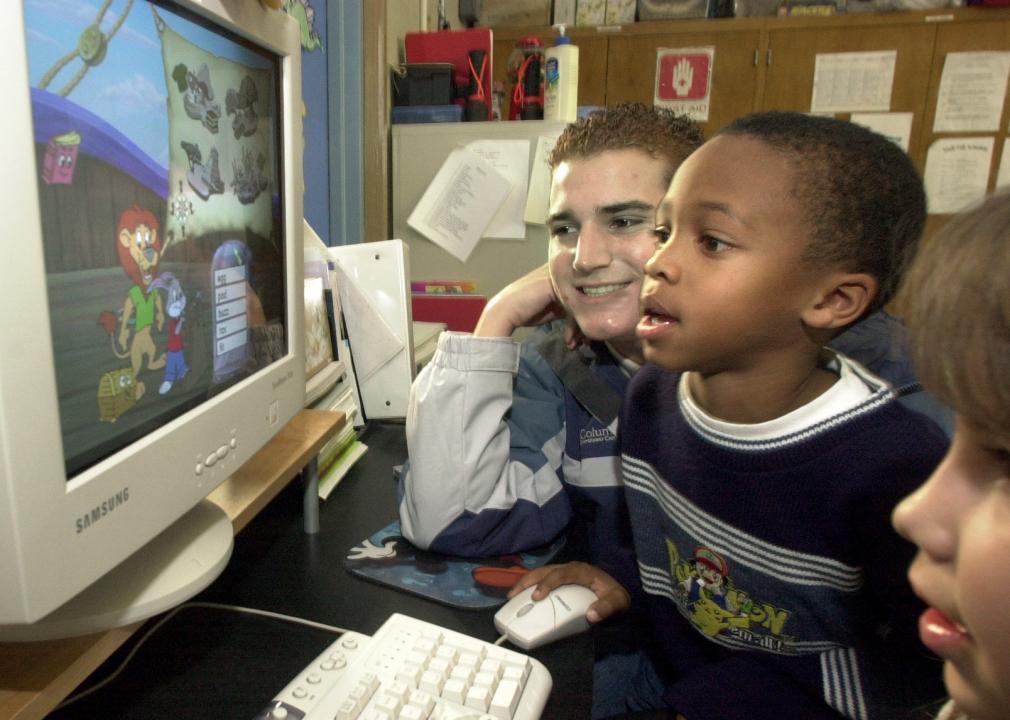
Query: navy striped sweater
[{"x": 771, "y": 579}]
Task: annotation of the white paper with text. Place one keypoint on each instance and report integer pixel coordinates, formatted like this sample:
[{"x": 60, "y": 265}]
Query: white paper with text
[{"x": 460, "y": 203}]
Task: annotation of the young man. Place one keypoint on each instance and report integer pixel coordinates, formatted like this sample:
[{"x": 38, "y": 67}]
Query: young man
[{"x": 511, "y": 443}]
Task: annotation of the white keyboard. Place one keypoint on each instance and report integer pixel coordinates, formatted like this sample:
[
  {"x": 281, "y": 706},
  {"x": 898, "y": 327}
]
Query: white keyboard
[{"x": 414, "y": 670}]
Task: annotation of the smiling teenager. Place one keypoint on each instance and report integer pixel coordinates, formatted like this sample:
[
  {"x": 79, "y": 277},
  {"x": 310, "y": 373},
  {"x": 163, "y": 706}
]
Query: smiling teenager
[{"x": 513, "y": 443}]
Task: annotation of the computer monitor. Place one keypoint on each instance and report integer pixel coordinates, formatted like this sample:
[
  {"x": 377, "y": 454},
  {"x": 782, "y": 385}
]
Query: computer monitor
[{"x": 152, "y": 212}]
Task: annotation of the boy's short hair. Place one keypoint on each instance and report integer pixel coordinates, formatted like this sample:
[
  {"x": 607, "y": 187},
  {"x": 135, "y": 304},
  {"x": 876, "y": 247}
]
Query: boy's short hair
[
  {"x": 958, "y": 309},
  {"x": 860, "y": 192},
  {"x": 658, "y": 132}
]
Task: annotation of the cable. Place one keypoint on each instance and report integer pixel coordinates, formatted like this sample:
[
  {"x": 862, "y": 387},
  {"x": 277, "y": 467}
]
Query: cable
[
  {"x": 500, "y": 640},
  {"x": 199, "y": 604}
]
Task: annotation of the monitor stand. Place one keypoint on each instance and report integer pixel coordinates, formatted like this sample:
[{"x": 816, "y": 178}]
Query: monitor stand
[{"x": 174, "y": 566}]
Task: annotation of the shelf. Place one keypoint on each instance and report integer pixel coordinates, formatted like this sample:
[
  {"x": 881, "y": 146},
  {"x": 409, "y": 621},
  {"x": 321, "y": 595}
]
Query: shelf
[{"x": 36, "y": 677}]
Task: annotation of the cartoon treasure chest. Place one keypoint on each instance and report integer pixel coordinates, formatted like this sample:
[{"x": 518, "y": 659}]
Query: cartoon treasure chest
[{"x": 117, "y": 392}]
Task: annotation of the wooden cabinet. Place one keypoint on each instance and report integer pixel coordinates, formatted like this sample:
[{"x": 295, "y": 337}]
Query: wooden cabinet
[
  {"x": 631, "y": 63},
  {"x": 619, "y": 64},
  {"x": 792, "y": 52},
  {"x": 768, "y": 63}
]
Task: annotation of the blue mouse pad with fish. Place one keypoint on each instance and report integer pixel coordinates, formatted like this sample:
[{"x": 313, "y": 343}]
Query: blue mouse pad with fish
[{"x": 467, "y": 583}]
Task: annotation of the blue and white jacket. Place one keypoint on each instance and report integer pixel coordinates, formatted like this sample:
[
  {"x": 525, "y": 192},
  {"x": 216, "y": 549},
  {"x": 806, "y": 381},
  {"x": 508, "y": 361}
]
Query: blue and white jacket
[{"x": 512, "y": 443}]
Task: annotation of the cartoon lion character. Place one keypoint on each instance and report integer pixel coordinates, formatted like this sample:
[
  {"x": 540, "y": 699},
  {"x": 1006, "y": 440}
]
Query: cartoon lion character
[{"x": 139, "y": 247}]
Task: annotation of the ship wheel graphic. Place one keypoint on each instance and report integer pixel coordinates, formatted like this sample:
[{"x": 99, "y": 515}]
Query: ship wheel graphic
[
  {"x": 91, "y": 47},
  {"x": 181, "y": 208}
]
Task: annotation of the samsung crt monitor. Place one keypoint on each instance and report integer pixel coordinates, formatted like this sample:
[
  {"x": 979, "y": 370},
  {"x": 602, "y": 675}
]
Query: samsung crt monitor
[{"x": 153, "y": 215}]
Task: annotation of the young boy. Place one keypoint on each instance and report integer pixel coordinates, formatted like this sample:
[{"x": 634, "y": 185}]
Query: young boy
[
  {"x": 760, "y": 474},
  {"x": 960, "y": 519}
]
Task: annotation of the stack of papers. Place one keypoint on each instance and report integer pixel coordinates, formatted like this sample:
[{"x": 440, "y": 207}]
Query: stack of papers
[{"x": 337, "y": 457}]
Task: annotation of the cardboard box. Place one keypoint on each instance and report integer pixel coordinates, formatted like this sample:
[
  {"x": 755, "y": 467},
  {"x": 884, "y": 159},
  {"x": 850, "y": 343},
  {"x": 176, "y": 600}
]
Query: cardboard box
[
  {"x": 673, "y": 9},
  {"x": 501, "y": 13},
  {"x": 564, "y": 12},
  {"x": 591, "y": 12},
  {"x": 621, "y": 12}
]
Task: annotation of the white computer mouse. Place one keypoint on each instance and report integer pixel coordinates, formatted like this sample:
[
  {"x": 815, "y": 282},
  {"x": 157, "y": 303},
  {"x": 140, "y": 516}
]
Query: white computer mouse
[{"x": 531, "y": 623}]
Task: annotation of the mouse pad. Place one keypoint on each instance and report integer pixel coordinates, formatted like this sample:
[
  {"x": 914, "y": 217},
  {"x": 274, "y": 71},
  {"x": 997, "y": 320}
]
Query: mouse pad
[{"x": 467, "y": 583}]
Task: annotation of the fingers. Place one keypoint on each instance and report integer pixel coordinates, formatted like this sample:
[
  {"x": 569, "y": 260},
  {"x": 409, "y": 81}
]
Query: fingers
[
  {"x": 548, "y": 577},
  {"x": 612, "y": 598},
  {"x": 527, "y": 301},
  {"x": 573, "y": 573},
  {"x": 530, "y": 578},
  {"x": 613, "y": 601}
]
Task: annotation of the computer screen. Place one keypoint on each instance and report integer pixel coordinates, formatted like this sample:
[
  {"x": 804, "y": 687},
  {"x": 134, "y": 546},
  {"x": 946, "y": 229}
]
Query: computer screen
[{"x": 155, "y": 146}]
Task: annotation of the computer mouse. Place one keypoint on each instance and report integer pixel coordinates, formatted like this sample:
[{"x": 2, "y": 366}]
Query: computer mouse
[{"x": 529, "y": 623}]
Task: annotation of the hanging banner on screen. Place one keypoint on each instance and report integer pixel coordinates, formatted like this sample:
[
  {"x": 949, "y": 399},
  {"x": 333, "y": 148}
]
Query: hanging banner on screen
[{"x": 221, "y": 130}]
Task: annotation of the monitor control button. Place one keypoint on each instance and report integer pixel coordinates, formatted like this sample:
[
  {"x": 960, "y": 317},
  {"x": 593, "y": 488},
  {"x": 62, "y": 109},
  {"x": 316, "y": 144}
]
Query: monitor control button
[
  {"x": 279, "y": 712},
  {"x": 233, "y": 443},
  {"x": 199, "y": 468},
  {"x": 211, "y": 459},
  {"x": 222, "y": 452}
]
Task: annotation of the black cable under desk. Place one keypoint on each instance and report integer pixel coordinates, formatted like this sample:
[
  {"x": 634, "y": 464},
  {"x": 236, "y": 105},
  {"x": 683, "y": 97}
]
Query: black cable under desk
[{"x": 211, "y": 663}]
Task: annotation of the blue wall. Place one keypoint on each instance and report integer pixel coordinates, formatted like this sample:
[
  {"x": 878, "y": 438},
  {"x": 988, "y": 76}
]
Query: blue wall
[
  {"x": 331, "y": 89},
  {"x": 346, "y": 136}
]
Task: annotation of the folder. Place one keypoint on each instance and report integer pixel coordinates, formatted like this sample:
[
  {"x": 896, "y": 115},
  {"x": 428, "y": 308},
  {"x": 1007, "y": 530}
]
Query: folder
[{"x": 458, "y": 312}]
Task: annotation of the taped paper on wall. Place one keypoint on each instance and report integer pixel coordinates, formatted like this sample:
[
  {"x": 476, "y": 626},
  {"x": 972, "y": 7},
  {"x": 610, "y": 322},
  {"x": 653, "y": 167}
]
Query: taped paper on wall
[
  {"x": 538, "y": 198},
  {"x": 1003, "y": 175},
  {"x": 896, "y": 127},
  {"x": 972, "y": 89},
  {"x": 957, "y": 172},
  {"x": 512, "y": 159},
  {"x": 853, "y": 81},
  {"x": 460, "y": 203}
]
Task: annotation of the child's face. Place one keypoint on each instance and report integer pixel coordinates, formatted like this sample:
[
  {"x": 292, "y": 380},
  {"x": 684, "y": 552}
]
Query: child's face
[
  {"x": 602, "y": 214},
  {"x": 960, "y": 519},
  {"x": 726, "y": 286}
]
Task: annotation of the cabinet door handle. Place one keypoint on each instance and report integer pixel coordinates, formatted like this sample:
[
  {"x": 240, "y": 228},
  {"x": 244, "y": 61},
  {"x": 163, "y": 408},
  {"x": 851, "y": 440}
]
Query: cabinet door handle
[
  {"x": 768, "y": 60},
  {"x": 757, "y": 57}
]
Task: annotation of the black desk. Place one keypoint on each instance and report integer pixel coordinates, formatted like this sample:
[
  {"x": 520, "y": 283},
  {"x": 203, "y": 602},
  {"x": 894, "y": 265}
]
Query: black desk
[{"x": 207, "y": 663}]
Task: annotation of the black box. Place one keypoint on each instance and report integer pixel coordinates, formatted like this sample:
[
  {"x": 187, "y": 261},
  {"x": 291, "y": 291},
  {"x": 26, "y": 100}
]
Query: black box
[{"x": 424, "y": 84}]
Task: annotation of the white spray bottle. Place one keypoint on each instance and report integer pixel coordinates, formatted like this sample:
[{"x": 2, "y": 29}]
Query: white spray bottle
[{"x": 561, "y": 79}]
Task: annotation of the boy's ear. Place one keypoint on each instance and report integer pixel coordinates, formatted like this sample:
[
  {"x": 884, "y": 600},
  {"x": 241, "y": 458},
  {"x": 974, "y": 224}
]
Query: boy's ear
[{"x": 842, "y": 299}]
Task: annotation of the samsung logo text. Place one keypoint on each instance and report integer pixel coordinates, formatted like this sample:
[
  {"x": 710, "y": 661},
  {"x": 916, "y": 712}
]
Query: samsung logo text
[{"x": 100, "y": 511}]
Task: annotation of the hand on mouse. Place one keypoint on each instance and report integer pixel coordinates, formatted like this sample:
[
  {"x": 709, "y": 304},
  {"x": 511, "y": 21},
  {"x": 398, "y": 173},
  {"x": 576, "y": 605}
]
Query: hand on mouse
[{"x": 612, "y": 597}]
